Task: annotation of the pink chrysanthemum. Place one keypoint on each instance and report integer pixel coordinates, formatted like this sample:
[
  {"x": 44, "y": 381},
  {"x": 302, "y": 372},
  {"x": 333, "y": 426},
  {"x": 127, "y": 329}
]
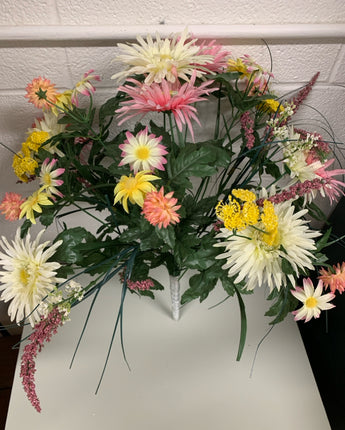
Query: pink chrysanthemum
[
  {"x": 43, "y": 85},
  {"x": 10, "y": 206},
  {"x": 143, "y": 151},
  {"x": 334, "y": 278},
  {"x": 160, "y": 209},
  {"x": 164, "y": 97}
]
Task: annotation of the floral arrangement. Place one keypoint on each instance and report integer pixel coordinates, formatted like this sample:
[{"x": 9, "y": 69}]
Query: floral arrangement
[{"x": 233, "y": 206}]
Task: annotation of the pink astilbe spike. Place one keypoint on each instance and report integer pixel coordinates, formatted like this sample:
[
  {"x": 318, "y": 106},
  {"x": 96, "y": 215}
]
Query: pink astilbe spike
[
  {"x": 42, "y": 333},
  {"x": 303, "y": 93}
]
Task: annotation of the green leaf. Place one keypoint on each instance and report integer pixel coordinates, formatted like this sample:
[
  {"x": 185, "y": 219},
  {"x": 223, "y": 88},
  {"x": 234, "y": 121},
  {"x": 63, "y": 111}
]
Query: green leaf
[
  {"x": 167, "y": 235},
  {"x": 273, "y": 170},
  {"x": 193, "y": 161},
  {"x": 201, "y": 285},
  {"x": 47, "y": 217},
  {"x": 285, "y": 303},
  {"x": 243, "y": 334},
  {"x": 201, "y": 259},
  {"x": 69, "y": 251},
  {"x": 108, "y": 108}
]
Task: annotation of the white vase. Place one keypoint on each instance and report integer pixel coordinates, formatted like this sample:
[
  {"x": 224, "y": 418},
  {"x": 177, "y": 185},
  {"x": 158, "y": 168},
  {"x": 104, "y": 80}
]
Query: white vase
[{"x": 175, "y": 296}]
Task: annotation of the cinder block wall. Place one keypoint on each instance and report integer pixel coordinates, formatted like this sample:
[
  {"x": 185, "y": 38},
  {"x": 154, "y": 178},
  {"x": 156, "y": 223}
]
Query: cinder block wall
[{"x": 48, "y": 38}]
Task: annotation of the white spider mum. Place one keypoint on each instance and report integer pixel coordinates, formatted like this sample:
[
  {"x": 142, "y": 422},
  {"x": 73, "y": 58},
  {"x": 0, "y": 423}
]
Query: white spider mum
[
  {"x": 169, "y": 58},
  {"x": 251, "y": 259},
  {"x": 27, "y": 276}
]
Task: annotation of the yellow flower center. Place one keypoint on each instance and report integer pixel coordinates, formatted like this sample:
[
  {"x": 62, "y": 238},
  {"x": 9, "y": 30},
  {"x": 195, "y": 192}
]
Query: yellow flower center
[
  {"x": 47, "y": 179},
  {"x": 142, "y": 153},
  {"x": 311, "y": 302},
  {"x": 24, "y": 276},
  {"x": 130, "y": 184}
]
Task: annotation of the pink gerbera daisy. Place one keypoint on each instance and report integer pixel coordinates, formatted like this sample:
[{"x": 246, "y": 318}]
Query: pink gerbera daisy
[
  {"x": 160, "y": 209},
  {"x": 10, "y": 206},
  {"x": 220, "y": 57},
  {"x": 143, "y": 151},
  {"x": 44, "y": 85},
  {"x": 164, "y": 97},
  {"x": 334, "y": 278}
]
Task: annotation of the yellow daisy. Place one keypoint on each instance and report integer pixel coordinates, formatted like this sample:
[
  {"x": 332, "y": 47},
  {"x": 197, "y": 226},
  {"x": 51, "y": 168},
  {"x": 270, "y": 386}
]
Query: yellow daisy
[
  {"x": 33, "y": 203},
  {"x": 134, "y": 188}
]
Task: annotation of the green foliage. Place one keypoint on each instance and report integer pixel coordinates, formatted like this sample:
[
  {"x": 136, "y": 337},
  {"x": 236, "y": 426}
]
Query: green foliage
[{"x": 284, "y": 303}]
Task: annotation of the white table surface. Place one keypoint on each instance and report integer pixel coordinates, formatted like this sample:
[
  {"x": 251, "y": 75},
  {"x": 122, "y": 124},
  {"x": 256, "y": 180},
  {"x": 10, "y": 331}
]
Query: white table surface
[{"x": 184, "y": 375}]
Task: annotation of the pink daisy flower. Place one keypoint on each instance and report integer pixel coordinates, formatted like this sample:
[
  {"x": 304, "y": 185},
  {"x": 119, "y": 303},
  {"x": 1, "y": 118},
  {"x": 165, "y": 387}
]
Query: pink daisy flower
[
  {"x": 313, "y": 300},
  {"x": 84, "y": 86},
  {"x": 332, "y": 187},
  {"x": 164, "y": 97},
  {"x": 43, "y": 85},
  {"x": 160, "y": 209},
  {"x": 48, "y": 177},
  {"x": 10, "y": 206},
  {"x": 334, "y": 278},
  {"x": 143, "y": 151}
]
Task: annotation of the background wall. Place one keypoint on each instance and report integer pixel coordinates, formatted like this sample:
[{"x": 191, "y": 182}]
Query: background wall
[{"x": 61, "y": 39}]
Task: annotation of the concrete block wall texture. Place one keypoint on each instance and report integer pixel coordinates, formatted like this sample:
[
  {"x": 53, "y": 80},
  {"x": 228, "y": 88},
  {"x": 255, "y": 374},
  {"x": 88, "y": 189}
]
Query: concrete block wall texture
[{"x": 294, "y": 59}]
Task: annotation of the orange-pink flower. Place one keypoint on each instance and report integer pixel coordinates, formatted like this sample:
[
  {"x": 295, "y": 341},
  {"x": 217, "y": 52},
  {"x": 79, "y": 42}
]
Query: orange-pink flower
[
  {"x": 10, "y": 206},
  {"x": 334, "y": 278},
  {"x": 44, "y": 85},
  {"x": 160, "y": 209}
]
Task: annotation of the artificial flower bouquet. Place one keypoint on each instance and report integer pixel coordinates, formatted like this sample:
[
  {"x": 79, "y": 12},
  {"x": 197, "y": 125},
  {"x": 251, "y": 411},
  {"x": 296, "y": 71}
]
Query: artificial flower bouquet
[{"x": 232, "y": 205}]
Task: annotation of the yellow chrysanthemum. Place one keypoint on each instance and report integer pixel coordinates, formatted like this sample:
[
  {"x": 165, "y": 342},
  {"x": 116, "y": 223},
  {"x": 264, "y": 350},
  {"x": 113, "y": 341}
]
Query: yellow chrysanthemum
[
  {"x": 36, "y": 139},
  {"x": 24, "y": 166},
  {"x": 269, "y": 220},
  {"x": 33, "y": 203},
  {"x": 244, "y": 195},
  {"x": 271, "y": 105},
  {"x": 134, "y": 188},
  {"x": 238, "y": 216}
]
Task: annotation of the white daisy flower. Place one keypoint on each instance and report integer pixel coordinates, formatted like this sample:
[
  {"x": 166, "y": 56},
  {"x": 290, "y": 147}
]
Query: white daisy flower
[
  {"x": 143, "y": 151},
  {"x": 251, "y": 258},
  {"x": 162, "y": 59},
  {"x": 27, "y": 276},
  {"x": 313, "y": 300}
]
